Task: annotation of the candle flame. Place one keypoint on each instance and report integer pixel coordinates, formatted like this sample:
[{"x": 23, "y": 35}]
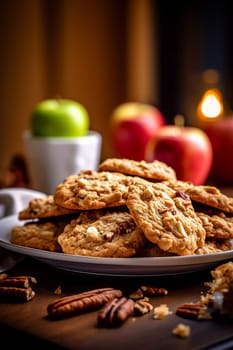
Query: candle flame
[{"x": 211, "y": 106}]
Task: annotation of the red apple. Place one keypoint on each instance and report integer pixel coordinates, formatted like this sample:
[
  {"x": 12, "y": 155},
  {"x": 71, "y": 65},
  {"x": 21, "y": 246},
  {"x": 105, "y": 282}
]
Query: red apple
[
  {"x": 186, "y": 149},
  {"x": 132, "y": 125},
  {"x": 221, "y": 137}
]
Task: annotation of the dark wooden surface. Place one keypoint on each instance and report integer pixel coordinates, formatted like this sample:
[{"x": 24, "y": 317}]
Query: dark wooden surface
[{"x": 27, "y": 325}]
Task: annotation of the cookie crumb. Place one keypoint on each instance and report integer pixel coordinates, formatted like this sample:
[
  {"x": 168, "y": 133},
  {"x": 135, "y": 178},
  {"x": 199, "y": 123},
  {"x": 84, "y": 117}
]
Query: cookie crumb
[
  {"x": 57, "y": 291},
  {"x": 161, "y": 311},
  {"x": 182, "y": 330}
]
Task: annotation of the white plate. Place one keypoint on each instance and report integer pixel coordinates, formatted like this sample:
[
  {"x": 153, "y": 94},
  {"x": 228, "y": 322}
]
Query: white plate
[{"x": 112, "y": 266}]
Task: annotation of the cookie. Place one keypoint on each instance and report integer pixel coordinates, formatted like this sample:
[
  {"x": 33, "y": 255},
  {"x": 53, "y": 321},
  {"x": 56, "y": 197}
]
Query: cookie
[
  {"x": 155, "y": 170},
  {"x": 215, "y": 246},
  {"x": 88, "y": 216},
  {"x": 208, "y": 195},
  {"x": 166, "y": 217},
  {"x": 113, "y": 235},
  {"x": 217, "y": 226},
  {"x": 42, "y": 234},
  {"x": 43, "y": 208},
  {"x": 151, "y": 250},
  {"x": 92, "y": 190}
]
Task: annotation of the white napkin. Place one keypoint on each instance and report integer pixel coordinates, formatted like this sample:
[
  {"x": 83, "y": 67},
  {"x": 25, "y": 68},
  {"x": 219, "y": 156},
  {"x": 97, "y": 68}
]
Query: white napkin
[{"x": 12, "y": 200}]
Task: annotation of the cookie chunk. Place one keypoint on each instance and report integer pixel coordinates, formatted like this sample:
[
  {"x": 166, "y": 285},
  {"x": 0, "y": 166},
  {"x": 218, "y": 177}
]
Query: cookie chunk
[
  {"x": 155, "y": 170},
  {"x": 92, "y": 190},
  {"x": 166, "y": 217},
  {"x": 219, "y": 297},
  {"x": 113, "y": 235},
  {"x": 43, "y": 208},
  {"x": 42, "y": 234}
]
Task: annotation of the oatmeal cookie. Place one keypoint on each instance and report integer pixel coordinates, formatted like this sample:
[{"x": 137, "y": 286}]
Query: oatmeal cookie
[
  {"x": 113, "y": 235},
  {"x": 208, "y": 195},
  {"x": 88, "y": 216},
  {"x": 43, "y": 208},
  {"x": 213, "y": 245},
  {"x": 151, "y": 250},
  {"x": 42, "y": 234},
  {"x": 166, "y": 217},
  {"x": 92, "y": 190},
  {"x": 155, "y": 170},
  {"x": 217, "y": 226}
]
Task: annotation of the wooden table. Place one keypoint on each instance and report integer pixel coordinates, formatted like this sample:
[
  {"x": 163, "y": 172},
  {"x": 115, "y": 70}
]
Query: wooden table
[{"x": 27, "y": 325}]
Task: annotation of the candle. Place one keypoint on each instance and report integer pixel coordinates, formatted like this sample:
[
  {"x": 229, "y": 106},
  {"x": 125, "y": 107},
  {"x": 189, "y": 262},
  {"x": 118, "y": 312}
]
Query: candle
[{"x": 210, "y": 107}]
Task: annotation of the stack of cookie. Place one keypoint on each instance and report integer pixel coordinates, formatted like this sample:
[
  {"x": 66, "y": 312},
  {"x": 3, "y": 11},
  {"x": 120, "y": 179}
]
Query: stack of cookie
[{"x": 128, "y": 208}]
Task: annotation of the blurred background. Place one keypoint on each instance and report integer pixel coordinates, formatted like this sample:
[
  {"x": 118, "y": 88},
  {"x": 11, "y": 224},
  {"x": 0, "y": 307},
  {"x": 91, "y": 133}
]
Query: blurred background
[{"x": 102, "y": 53}]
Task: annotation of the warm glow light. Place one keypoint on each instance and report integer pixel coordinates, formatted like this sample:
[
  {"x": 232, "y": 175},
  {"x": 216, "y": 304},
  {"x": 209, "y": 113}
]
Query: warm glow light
[{"x": 211, "y": 105}]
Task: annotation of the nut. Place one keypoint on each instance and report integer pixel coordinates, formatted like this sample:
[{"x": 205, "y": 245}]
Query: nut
[
  {"x": 137, "y": 294},
  {"x": 18, "y": 281},
  {"x": 16, "y": 294},
  {"x": 142, "y": 307},
  {"x": 152, "y": 290},
  {"x": 195, "y": 311},
  {"x": 115, "y": 312},
  {"x": 17, "y": 288},
  {"x": 143, "y": 291},
  {"x": 77, "y": 303},
  {"x": 3, "y": 276}
]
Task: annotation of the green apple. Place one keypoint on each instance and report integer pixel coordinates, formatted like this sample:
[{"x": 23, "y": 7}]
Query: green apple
[{"x": 59, "y": 118}]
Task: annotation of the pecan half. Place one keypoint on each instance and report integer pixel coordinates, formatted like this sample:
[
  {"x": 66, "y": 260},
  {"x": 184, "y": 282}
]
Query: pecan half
[
  {"x": 18, "y": 281},
  {"x": 16, "y": 293},
  {"x": 78, "y": 303},
  {"x": 195, "y": 311},
  {"x": 143, "y": 291},
  {"x": 137, "y": 294},
  {"x": 115, "y": 312},
  {"x": 3, "y": 276},
  {"x": 17, "y": 288},
  {"x": 153, "y": 290},
  {"x": 142, "y": 307}
]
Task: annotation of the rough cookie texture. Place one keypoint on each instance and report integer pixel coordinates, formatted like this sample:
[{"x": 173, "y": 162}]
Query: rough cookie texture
[
  {"x": 92, "y": 190},
  {"x": 39, "y": 235},
  {"x": 218, "y": 226},
  {"x": 88, "y": 216},
  {"x": 166, "y": 217},
  {"x": 222, "y": 278},
  {"x": 155, "y": 170},
  {"x": 152, "y": 250},
  {"x": 220, "y": 294},
  {"x": 214, "y": 245},
  {"x": 42, "y": 208},
  {"x": 182, "y": 330},
  {"x": 113, "y": 235},
  {"x": 208, "y": 195}
]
